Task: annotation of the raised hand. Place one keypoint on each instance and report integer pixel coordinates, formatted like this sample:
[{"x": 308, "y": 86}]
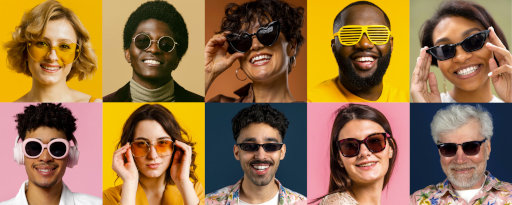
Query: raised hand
[
  {"x": 217, "y": 58},
  {"x": 422, "y": 76},
  {"x": 126, "y": 170},
  {"x": 501, "y": 76}
]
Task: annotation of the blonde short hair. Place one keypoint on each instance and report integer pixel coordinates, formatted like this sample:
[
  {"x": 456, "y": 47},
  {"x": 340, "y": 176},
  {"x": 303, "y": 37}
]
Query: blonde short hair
[{"x": 32, "y": 27}]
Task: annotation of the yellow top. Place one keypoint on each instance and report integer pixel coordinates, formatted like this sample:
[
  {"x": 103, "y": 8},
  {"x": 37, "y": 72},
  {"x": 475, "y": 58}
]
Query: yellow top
[
  {"x": 333, "y": 91},
  {"x": 171, "y": 195}
]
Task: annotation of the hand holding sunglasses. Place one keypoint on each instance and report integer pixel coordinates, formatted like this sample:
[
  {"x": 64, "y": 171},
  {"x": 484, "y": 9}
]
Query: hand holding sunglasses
[
  {"x": 217, "y": 57},
  {"x": 501, "y": 76},
  {"x": 124, "y": 165},
  {"x": 422, "y": 79},
  {"x": 180, "y": 162}
]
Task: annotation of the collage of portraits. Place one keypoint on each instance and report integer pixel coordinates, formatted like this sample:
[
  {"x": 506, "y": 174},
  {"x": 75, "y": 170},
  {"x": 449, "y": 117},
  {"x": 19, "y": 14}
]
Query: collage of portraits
[{"x": 237, "y": 102}]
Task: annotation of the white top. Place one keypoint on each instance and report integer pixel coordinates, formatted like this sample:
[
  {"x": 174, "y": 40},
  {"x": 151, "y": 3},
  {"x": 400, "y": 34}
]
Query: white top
[
  {"x": 446, "y": 98},
  {"x": 273, "y": 201},
  {"x": 467, "y": 194},
  {"x": 66, "y": 198}
]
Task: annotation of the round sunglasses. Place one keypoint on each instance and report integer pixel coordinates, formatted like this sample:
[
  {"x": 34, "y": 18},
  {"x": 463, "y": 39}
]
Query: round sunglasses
[
  {"x": 471, "y": 43},
  {"x": 141, "y": 148},
  {"x": 165, "y": 43},
  {"x": 375, "y": 142},
  {"x": 266, "y": 35},
  {"x": 57, "y": 148},
  {"x": 253, "y": 147},
  {"x": 450, "y": 149}
]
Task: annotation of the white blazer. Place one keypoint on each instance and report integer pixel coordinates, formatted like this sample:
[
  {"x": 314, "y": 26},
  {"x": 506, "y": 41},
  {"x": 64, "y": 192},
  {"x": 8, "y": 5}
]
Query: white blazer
[{"x": 66, "y": 198}]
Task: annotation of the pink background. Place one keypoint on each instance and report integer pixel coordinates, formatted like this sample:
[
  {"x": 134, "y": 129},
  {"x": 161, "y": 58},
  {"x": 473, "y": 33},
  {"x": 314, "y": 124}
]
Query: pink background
[
  {"x": 320, "y": 119},
  {"x": 85, "y": 177}
]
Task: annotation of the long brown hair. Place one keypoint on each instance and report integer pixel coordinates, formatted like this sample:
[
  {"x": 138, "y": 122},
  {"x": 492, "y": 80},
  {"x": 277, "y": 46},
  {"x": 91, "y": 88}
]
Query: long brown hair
[
  {"x": 339, "y": 181},
  {"x": 166, "y": 119}
]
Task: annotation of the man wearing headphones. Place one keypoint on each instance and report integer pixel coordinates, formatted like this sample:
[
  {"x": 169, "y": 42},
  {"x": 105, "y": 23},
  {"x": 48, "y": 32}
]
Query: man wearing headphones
[{"x": 46, "y": 132}]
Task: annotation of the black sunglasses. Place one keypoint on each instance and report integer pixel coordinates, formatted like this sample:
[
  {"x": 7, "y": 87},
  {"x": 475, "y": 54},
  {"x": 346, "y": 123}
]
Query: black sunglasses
[
  {"x": 450, "y": 149},
  {"x": 253, "y": 147},
  {"x": 165, "y": 43},
  {"x": 242, "y": 42},
  {"x": 350, "y": 147},
  {"x": 469, "y": 44}
]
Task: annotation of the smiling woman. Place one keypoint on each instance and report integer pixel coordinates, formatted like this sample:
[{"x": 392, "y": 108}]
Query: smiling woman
[
  {"x": 471, "y": 51},
  {"x": 52, "y": 46}
]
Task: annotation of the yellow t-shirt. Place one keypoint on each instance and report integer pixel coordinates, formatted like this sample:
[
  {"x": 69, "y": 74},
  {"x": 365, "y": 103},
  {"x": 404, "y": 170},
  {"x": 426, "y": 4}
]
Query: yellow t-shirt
[
  {"x": 333, "y": 91},
  {"x": 171, "y": 195}
]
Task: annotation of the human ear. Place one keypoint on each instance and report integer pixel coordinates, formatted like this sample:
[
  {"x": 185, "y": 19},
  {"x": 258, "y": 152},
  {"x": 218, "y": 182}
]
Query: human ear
[
  {"x": 236, "y": 150},
  {"x": 283, "y": 152},
  {"x": 127, "y": 55}
]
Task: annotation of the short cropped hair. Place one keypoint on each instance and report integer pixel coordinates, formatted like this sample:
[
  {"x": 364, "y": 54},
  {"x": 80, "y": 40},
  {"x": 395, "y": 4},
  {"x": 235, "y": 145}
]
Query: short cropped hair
[
  {"x": 265, "y": 11},
  {"x": 259, "y": 113},
  {"x": 455, "y": 116},
  {"x": 337, "y": 19},
  {"x": 46, "y": 115},
  {"x": 164, "y": 12},
  {"x": 32, "y": 27}
]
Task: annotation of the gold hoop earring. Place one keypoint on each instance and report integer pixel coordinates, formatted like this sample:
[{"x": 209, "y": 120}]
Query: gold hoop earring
[{"x": 236, "y": 75}]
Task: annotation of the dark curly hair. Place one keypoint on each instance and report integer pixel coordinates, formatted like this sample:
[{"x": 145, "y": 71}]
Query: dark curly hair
[
  {"x": 259, "y": 113},
  {"x": 162, "y": 11},
  {"x": 465, "y": 9},
  {"x": 49, "y": 115},
  {"x": 166, "y": 119},
  {"x": 238, "y": 17}
]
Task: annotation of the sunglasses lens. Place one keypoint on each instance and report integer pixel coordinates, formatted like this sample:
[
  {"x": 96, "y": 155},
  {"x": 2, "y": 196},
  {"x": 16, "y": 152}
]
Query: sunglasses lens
[
  {"x": 58, "y": 149},
  {"x": 38, "y": 50},
  {"x": 164, "y": 147},
  {"x": 376, "y": 142},
  {"x": 67, "y": 52},
  {"x": 249, "y": 147},
  {"x": 349, "y": 36},
  {"x": 349, "y": 147},
  {"x": 448, "y": 149},
  {"x": 166, "y": 44},
  {"x": 140, "y": 148},
  {"x": 142, "y": 41},
  {"x": 443, "y": 52},
  {"x": 240, "y": 42},
  {"x": 474, "y": 42},
  {"x": 471, "y": 148},
  {"x": 272, "y": 147},
  {"x": 378, "y": 35},
  {"x": 33, "y": 148},
  {"x": 268, "y": 35}
]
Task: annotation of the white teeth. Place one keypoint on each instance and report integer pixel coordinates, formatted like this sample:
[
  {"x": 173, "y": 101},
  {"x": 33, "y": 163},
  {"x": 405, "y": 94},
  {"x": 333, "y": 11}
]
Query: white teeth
[
  {"x": 467, "y": 70},
  {"x": 365, "y": 59},
  {"x": 152, "y": 62},
  {"x": 52, "y": 68},
  {"x": 260, "y": 57},
  {"x": 367, "y": 164},
  {"x": 260, "y": 167}
]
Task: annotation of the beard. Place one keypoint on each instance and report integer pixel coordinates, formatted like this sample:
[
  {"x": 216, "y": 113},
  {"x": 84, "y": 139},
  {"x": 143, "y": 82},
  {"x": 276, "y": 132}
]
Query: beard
[
  {"x": 356, "y": 82},
  {"x": 465, "y": 181}
]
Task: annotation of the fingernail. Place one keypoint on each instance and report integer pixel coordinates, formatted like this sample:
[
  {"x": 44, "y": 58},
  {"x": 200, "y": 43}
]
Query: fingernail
[
  {"x": 491, "y": 28},
  {"x": 489, "y": 74},
  {"x": 489, "y": 44}
]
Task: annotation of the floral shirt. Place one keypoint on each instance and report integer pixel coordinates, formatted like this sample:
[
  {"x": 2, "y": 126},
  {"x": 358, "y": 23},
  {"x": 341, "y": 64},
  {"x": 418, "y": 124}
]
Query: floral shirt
[
  {"x": 494, "y": 192},
  {"x": 230, "y": 196}
]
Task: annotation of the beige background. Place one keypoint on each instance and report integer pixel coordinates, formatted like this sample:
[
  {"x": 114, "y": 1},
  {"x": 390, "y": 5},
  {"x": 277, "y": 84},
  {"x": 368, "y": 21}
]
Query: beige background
[
  {"x": 422, "y": 10},
  {"x": 190, "y": 71},
  {"x": 227, "y": 83}
]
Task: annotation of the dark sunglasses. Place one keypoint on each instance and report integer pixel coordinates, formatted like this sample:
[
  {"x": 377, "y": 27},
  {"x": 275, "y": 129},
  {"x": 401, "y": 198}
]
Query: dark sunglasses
[
  {"x": 242, "y": 42},
  {"x": 469, "y": 44},
  {"x": 57, "y": 148},
  {"x": 450, "y": 149},
  {"x": 253, "y": 147},
  {"x": 165, "y": 43},
  {"x": 350, "y": 147}
]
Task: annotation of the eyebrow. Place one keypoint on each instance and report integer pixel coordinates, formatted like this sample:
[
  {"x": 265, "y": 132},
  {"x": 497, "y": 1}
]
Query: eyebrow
[
  {"x": 465, "y": 33},
  {"x": 146, "y": 139},
  {"x": 267, "y": 139}
]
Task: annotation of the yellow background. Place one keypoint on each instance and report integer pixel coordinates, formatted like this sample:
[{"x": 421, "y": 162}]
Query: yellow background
[
  {"x": 321, "y": 62},
  {"x": 14, "y": 85},
  {"x": 190, "y": 71},
  {"x": 190, "y": 116}
]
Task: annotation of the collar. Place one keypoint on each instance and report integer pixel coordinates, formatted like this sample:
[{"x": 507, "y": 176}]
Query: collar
[
  {"x": 490, "y": 183},
  {"x": 162, "y": 94},
  {"x": 171, "y": 195},
  {"x": 246, "y": 94},
  {"x": 66, "y": 197},
  {"x": 234, "y": 193}
]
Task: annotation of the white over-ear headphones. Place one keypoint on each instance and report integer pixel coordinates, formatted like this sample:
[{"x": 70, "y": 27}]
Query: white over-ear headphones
[{"x": 72, "y": 159}]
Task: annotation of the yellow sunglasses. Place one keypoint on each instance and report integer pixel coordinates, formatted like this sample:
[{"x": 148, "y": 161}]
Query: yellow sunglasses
[
  {"x": 67, "y": 52},
  {"x": 350, "y": 35}
]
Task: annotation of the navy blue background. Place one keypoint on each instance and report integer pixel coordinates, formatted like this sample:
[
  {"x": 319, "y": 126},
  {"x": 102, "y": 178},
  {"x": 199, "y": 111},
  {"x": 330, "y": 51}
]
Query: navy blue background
[
  {"x": 222, "y": 167},
  {"x": 425, "y": 160}
]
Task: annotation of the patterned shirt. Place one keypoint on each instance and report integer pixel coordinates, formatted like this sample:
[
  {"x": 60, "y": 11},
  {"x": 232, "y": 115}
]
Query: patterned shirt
[
  {"x": 230, "y": 196},
  {"x": 494, "y": 192}
]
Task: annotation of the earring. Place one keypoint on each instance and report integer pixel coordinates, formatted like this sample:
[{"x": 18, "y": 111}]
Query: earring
[{"x": 236, "y": 75}]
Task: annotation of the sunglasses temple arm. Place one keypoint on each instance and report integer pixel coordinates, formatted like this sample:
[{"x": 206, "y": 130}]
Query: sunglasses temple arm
[{"x": 172, "y": 155}]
